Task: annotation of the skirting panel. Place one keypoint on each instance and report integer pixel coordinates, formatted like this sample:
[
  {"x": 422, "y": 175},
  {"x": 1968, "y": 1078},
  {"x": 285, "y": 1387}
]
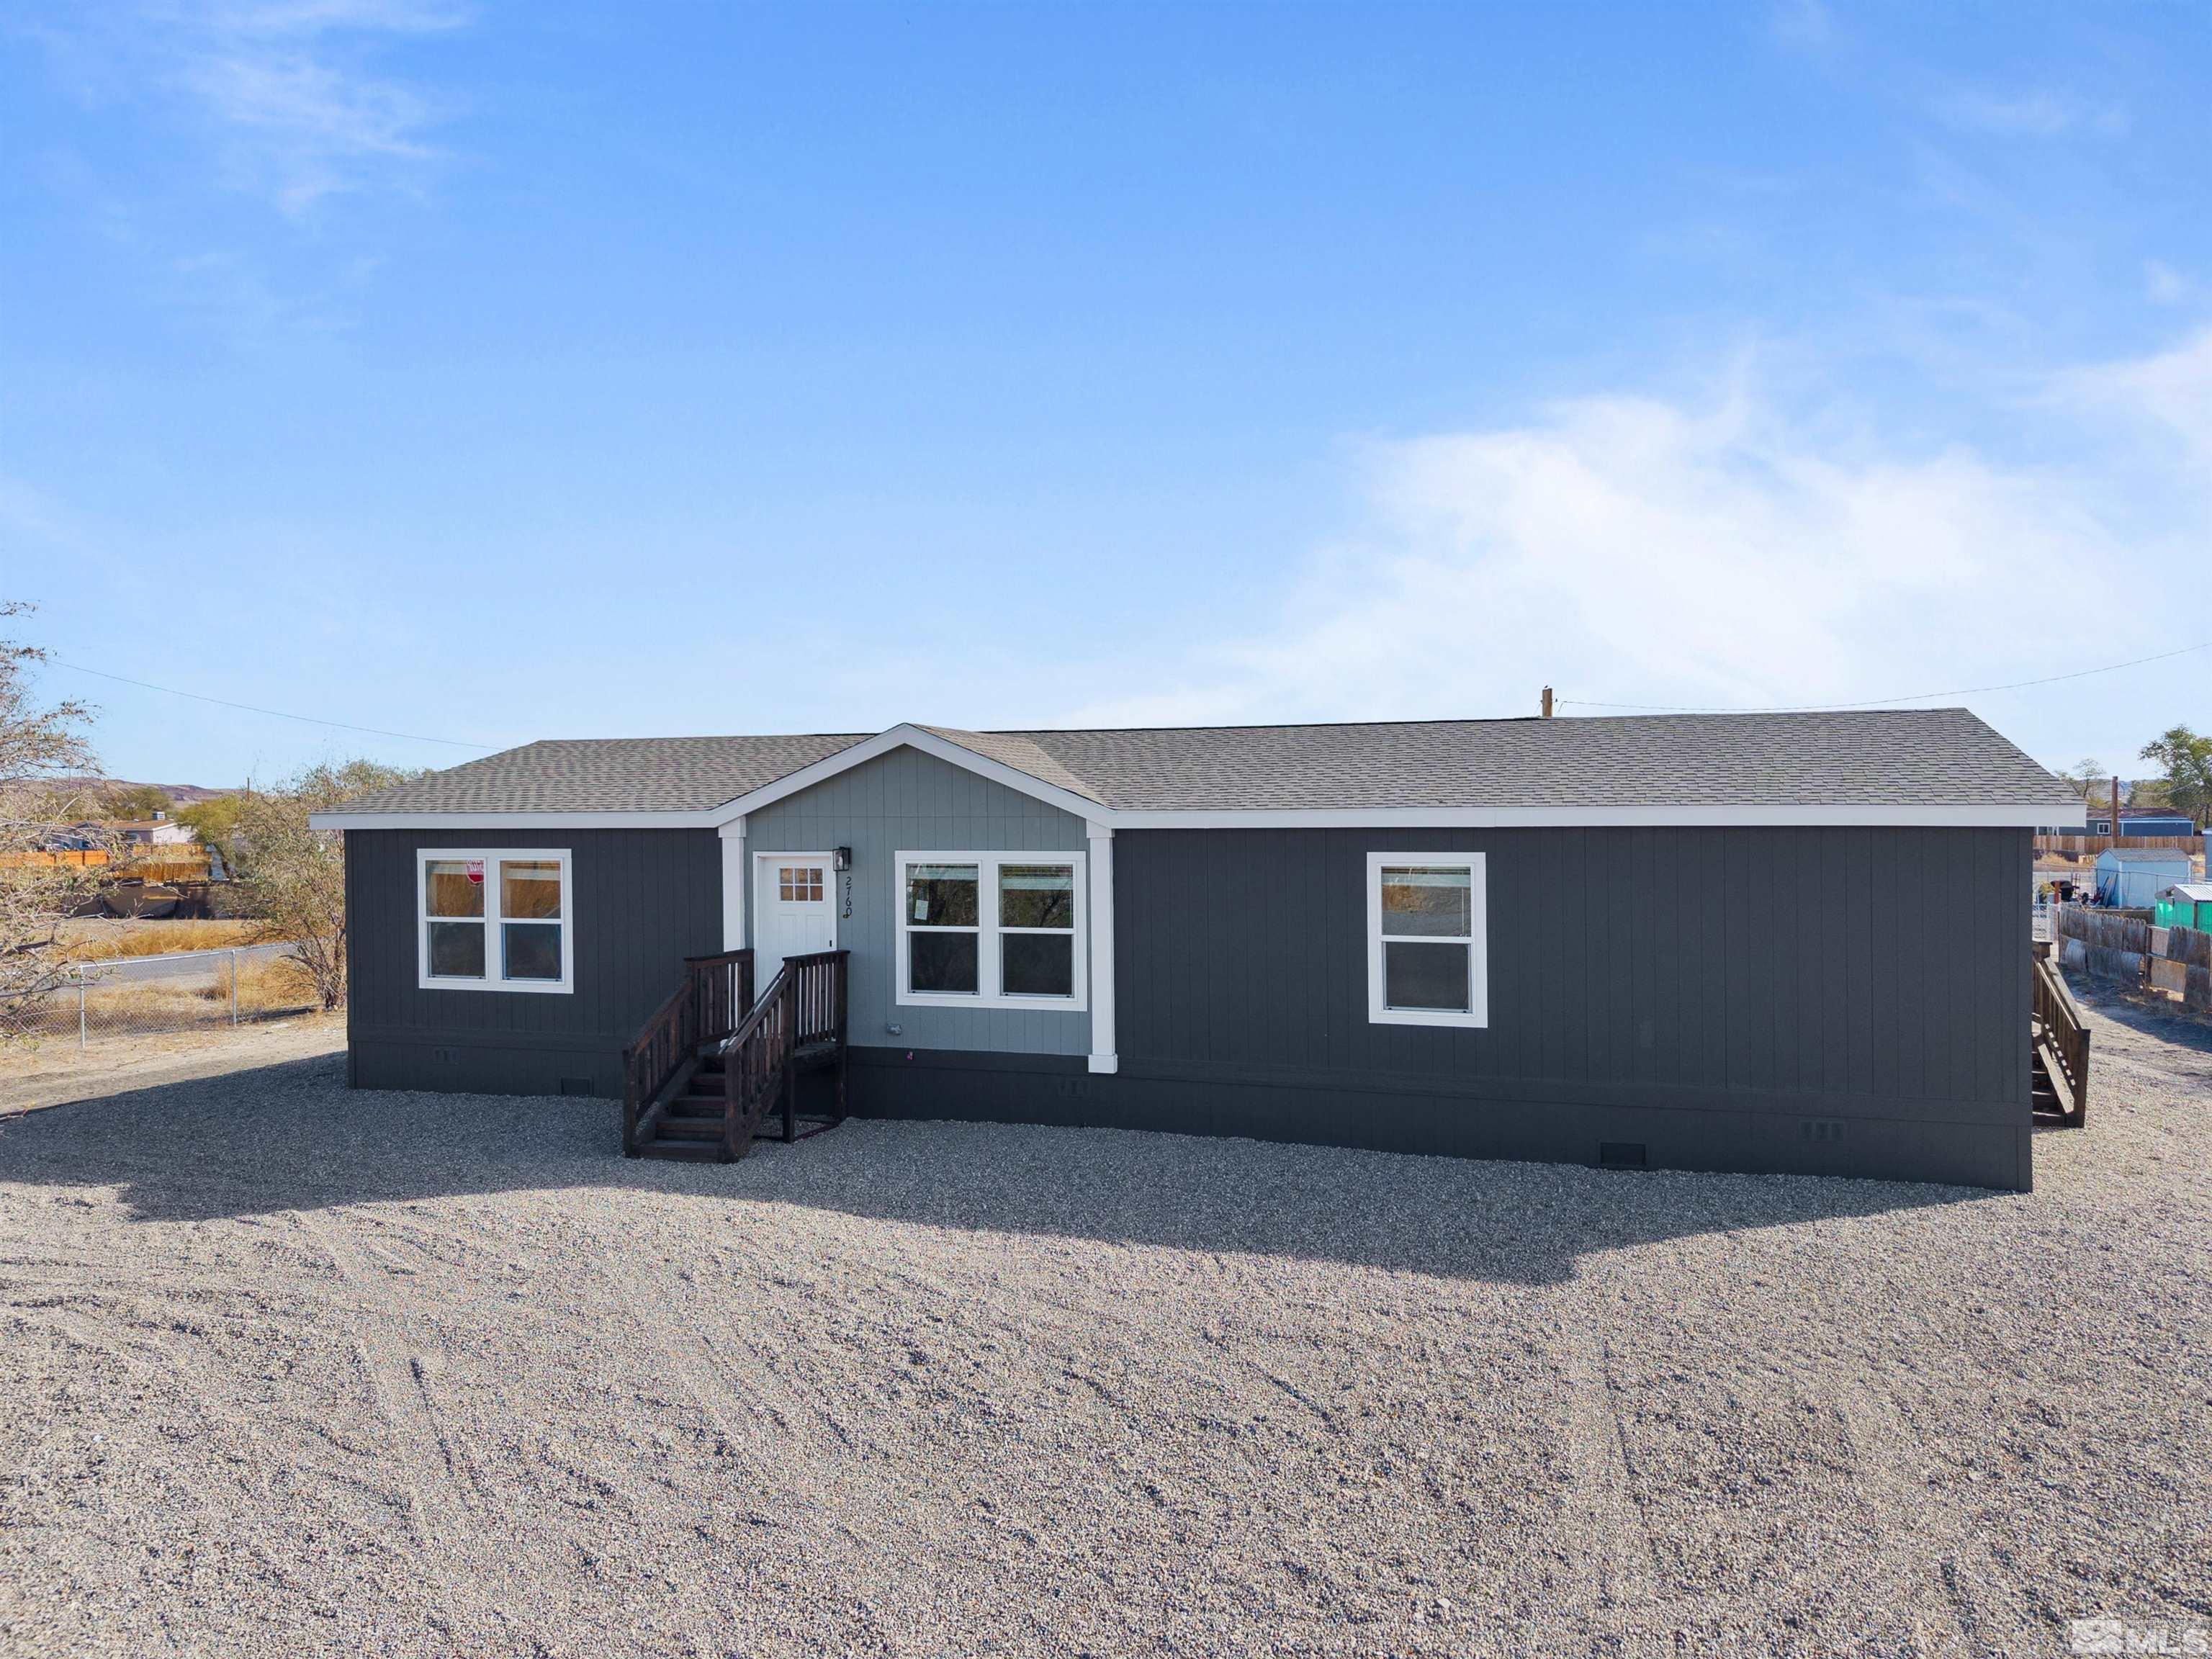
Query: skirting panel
[
  {"x": 1915, "y": 1144},
  {"x": 472, "y": 1065}
]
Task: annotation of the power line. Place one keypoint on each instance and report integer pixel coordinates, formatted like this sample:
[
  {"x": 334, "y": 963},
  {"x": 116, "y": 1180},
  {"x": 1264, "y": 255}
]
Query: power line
[
  {"x": 255, "y": 709},
  {"x": 1876, "y": 702}
]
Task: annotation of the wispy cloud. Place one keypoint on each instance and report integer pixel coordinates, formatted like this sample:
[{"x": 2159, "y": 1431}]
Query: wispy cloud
[
  {"x": 2169, "y": 392},
  {"x": 1713, "y": 552},
  {"x": 2041, "y": 114},
  {"x": 1806, "y": 24},
  {"x": 292, "y": 97},
  {"x": 2164, "y": 284}
]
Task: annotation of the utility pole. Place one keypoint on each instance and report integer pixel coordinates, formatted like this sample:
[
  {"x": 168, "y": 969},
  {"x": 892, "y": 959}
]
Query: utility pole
[{"x": 1548, "y": 702}]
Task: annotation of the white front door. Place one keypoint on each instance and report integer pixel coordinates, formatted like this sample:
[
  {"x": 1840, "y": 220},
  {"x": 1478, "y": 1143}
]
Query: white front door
[{"x": 794, "y": 910}]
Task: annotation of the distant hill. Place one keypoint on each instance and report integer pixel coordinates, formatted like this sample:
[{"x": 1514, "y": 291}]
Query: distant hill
[{"x": 184, "y": 794}]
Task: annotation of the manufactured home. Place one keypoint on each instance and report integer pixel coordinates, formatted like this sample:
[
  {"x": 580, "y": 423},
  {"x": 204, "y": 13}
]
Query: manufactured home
[{"x": 1756, "y": 942}]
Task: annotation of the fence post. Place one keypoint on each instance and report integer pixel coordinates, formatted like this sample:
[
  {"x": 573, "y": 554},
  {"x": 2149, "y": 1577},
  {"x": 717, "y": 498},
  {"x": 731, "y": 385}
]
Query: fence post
[
  {"x": 80, "y": 1008},
  {"x": 233, "y": 985}
]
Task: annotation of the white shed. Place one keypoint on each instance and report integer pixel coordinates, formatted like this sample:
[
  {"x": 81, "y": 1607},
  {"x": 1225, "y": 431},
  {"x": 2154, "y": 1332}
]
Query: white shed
[{"x": 2130, "y": 878}]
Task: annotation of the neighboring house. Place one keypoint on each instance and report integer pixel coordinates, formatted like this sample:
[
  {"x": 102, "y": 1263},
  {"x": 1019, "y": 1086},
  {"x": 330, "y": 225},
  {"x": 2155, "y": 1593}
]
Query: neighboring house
[
  {"x": 2143, "y": 821},
  {"x": 2130, "y": 878},
  {"x": 1768, "y": 942},
  {"x": 159, "y": 830},
  {"x": 91, "y": 834}
]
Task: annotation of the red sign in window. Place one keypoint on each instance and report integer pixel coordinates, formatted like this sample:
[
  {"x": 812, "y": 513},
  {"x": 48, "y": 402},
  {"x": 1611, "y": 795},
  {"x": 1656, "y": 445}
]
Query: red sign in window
[{"x": 475, "y": 872}]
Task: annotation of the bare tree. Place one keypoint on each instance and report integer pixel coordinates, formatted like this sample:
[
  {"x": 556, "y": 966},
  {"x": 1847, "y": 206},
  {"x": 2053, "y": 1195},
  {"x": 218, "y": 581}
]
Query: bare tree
[
  {"x": 42, "y": 747},
  {"x": 2090, "y": 781},
  {"x": 296, "y": 872}
]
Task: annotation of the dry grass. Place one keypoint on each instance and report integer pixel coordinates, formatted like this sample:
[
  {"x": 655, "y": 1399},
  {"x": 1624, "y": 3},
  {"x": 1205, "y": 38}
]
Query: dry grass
[
  {"x": 281, "y": 982},
  {"x": 99, "y": 939},
  {"x": 138, "y": 1008}
]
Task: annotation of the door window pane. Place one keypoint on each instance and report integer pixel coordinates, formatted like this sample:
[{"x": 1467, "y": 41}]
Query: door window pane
[
  {"x": 942, "y": 961},
  {"x": 798, "y": 883},
  {"x": 533, "y": 950},
  {"x": 1036, "y": 895},
  {"x": 1426, "y": 903},
  {"x": 1433, "y": 977},
  {"x": 1038, "y": 964},
  {"x": 941, "y": 896},
  {"x": 457, "y": 950},
  {"x": 529, "y": 888},
  {"x": 453, "y": 887}
]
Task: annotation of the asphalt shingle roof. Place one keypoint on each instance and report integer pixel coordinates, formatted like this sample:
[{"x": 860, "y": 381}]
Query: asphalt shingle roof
[
  {"x": 1884, "y": 757},
  {"x": 608, "y": 775}
]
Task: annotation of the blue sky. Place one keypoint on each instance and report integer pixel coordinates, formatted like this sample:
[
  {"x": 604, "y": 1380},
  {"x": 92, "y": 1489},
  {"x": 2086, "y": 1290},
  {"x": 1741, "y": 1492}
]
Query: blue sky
[{"x": 493, "y": 372}]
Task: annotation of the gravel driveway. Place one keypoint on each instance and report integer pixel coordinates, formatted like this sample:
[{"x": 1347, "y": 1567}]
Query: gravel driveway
[{"x": 296, "y": 1371}]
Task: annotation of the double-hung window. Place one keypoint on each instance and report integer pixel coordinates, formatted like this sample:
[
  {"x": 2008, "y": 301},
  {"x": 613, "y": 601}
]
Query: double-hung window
[
  {"x": 492, "y": 920},
  {"x": 1427, "y": 946},
  {"x": 991, "y": 930}
]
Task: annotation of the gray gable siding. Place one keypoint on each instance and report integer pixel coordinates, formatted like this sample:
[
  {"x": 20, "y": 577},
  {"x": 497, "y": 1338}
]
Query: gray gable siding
[{"x": 907, "y": 801}]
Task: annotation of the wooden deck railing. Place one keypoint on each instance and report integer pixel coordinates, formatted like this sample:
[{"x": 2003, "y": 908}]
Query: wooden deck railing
[
  {"x": 2063, "y": 1036},
  {"x": 670, "y": 1037},
  {"x": 803, "y": 1007},
  {"x": 819, "y": 986},
  {"x": 704, "y": 1009},
  {"x": 798, "y": 1019},
  {"x": 756, "y": 1064},
  {"x": 724, "y": 987}
]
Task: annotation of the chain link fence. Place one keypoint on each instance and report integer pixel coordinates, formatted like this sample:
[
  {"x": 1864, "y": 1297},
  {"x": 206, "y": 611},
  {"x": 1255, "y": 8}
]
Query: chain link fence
[{"x": 196, "y": 990}]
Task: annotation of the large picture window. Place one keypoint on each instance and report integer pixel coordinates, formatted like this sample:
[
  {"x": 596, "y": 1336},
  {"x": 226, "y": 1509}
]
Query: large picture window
[
  {"x": 495, "y": 919},
  {"x": 995, "y": 930},
  {"x": 1427, "y": 946}
]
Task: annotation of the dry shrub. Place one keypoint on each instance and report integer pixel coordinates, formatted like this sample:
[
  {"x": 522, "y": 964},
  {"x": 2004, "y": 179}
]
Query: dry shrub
[{"x": 266, "y": 984}]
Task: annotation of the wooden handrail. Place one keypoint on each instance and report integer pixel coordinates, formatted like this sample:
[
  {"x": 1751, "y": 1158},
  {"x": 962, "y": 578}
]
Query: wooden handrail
[
  {"x": 700, "y": 1010},
  {"x": 803, "y": 1007},
  {"x": 757, "y": 1057},
  {"x": 2065, "y": 1034},
  {"x": 669, "y": 1037},
  {"x": 723, "y": 986}
]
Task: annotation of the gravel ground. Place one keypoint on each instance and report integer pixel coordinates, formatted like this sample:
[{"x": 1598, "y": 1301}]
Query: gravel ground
[
  {"x": 54, "y": 1071},
  {"x": 293, "y": 1371}
]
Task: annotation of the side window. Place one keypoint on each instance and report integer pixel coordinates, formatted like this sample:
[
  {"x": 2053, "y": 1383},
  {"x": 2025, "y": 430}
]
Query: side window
[
  {"x": 495, "y": 919},
  {"x": 1427, "y": 949}
]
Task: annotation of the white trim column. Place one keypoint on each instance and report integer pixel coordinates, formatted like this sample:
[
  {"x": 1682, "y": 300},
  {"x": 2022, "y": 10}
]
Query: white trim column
[
  {"x": 734, "y": 883},
  {"x": 1103, "y": 1055}
]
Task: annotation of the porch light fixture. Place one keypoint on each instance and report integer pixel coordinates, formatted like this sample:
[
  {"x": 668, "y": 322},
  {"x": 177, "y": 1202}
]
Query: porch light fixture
[{"x": 842, "y": 857}]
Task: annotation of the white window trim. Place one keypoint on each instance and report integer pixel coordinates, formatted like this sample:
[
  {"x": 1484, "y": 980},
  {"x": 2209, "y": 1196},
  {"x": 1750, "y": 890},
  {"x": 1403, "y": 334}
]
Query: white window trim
[
  {"x": 988, "y": 932},
  {"x": 1478, "y": 1002},
  {"x": 491, "y": 981}
]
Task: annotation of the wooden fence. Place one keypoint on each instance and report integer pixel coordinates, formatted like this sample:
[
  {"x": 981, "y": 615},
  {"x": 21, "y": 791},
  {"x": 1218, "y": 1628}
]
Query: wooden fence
[
  {"x": 2122, "y": 946},
  {"x": 2081, "y": 845}
]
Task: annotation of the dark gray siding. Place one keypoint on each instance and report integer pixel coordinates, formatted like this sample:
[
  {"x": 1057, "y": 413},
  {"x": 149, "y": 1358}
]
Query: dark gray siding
[
  {"x": 645, "y": 899},
  {"x": 909, "y": 802},
  {"x": 1846, "y": 1000},
  {"x": 1835, "y": 1001}
]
